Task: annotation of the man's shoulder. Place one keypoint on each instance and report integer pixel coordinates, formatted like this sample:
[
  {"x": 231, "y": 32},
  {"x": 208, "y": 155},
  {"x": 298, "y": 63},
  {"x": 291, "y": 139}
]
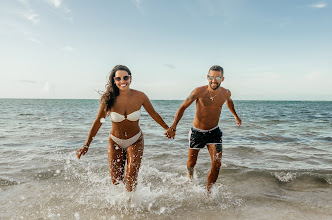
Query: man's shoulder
[
  {"x": 201, "y": 89},
  {"x": 225, "y": 91}
]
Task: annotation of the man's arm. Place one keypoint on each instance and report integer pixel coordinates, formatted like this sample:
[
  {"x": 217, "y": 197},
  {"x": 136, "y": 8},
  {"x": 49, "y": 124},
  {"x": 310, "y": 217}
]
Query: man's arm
[
  {"x": 230, "y": 105},
  {"x": 189, "y": 100}
]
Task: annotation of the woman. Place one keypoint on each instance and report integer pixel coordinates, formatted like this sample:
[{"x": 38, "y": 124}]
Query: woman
[{"x": 125, "y": 141}]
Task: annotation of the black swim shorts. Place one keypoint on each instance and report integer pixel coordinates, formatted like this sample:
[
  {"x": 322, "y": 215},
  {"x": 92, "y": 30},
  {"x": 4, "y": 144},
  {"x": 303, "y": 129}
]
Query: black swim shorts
[{"x": 199, "y": 138}]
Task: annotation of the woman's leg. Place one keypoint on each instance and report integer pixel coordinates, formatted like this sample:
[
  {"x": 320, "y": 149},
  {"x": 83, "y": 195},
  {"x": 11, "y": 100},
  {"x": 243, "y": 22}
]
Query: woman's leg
[
  {"x": 117, "y": 160},
  {"x": 134, "y": 157}
]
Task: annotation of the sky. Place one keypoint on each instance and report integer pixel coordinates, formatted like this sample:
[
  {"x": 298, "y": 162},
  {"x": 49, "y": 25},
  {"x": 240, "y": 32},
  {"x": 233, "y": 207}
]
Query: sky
[{"x": 65, "y": 49}]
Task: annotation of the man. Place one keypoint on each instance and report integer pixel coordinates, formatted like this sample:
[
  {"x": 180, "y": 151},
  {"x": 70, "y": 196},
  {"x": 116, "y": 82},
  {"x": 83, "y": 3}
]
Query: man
[{"x": 205, "y": 131}]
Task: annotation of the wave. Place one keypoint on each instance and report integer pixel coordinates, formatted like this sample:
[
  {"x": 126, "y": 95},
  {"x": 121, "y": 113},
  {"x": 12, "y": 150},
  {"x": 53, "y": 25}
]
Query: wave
[
  {"x": 272, "y": 138},
  {"x": 285, "y": 177},
  {"x": 298, "y": 177},
  {"x": 6, "y": 182},
  {"x": 304, "y": 178},
  {"x": 324, "y": 138},
  {"x": 245, "y": 150}
]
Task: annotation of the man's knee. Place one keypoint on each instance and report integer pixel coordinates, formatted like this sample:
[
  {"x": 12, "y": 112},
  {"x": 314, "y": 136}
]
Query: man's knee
[
  {"x": 191, "y": 164},
  {"x": 216, "y": 164}
]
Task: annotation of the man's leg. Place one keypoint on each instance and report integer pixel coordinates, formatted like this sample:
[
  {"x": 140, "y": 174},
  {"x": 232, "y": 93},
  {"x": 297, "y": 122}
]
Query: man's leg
[
  {"x": 192, "y": 158},
  {"x": 216, "y": 164}
]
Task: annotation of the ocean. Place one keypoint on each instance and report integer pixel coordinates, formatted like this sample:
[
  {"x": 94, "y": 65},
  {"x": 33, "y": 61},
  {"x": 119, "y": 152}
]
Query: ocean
[{"x": 277, "y": 165}]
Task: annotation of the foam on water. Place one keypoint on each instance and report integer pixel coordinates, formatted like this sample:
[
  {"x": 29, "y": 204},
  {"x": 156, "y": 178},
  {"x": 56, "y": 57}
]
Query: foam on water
[
  {"x": 285, "y": 177},
  {"x": 157, "y": 192}
]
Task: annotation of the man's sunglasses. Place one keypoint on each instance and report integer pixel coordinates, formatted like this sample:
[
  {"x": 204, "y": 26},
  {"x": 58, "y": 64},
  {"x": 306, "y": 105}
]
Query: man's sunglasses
[
  {"x": 118, "y": 79},
  {"x": 218, "y": 78}
]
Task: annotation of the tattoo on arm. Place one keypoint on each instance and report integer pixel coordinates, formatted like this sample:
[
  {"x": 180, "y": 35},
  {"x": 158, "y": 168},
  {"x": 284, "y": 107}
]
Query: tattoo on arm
[{"x": 191, "y": 97}]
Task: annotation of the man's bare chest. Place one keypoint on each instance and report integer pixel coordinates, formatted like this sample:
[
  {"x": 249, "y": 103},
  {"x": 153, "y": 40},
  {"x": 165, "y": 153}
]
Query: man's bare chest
[{"x": 206, "y": 101}]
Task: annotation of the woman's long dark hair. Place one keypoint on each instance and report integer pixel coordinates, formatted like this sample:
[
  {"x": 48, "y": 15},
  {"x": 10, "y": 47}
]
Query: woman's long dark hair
[{"x": 112, "y": 91}]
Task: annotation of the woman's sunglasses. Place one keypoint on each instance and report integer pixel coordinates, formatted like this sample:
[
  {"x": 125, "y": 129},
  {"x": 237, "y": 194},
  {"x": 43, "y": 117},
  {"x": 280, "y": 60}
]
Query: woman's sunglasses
[
  {"x": 118, "y": 79},
  {"x": 218, "y": 78}
]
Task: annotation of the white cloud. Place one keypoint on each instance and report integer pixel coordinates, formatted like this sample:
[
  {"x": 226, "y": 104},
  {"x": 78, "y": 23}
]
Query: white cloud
[
  {"x": 33, "y": 17},
  {"x": 171, "y": 66},
  {"x": 28, "y": 12},
  {"x": 47, "y": 90},
  {"x": 316, "y": 76},
  {"x": 27, "y": 81},
  {"x": 319, "y": 5},
  {"x": 36, "y": 41},
  {"x": 67, "y": 48},
  {"x": 138, "y": 4},
  {"x": 67, "y": 10},
  {"x": 55, "y": 3},
  {"x": 24, "y": 2},
  {"x": 46, "y": 87}
]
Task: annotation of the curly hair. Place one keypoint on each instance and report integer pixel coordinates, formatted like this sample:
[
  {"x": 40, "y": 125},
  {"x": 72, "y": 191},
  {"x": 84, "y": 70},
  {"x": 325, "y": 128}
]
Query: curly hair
[{"x": 112, "y": 91}]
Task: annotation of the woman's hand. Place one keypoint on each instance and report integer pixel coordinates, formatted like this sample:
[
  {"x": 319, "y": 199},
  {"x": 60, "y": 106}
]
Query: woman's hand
[
  {"x": 170, "y": 133},
  {"x": 167, "y": 135},
  {"x": 80, "y": 152},
  {"x": 238, "y": 121}
]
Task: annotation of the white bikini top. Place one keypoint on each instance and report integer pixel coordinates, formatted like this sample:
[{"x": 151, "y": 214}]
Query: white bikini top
[{"x": 134, "y": 116}]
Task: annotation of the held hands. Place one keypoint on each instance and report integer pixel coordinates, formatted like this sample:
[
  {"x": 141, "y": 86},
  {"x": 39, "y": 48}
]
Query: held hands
[
  {"x": 170, "y": 132},
  {"x": 83, "y": 150}
]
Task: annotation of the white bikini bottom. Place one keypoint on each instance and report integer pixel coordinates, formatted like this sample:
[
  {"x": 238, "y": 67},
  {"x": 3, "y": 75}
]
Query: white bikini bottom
[{"x": 124, "y": 143}]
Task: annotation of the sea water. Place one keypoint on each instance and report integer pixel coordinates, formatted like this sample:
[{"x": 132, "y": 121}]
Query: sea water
[{"x": 278, "y": 164}]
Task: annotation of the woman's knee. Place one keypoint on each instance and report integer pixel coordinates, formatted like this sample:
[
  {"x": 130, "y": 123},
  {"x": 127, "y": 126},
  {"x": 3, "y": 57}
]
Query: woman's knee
[{"x": 133, "y": 167}]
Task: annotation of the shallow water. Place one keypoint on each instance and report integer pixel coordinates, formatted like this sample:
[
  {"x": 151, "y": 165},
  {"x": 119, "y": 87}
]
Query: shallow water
[{"x": 278, "y": 164}]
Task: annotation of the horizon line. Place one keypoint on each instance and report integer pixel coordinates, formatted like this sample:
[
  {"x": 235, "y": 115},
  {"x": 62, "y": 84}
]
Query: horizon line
[{"x": 275, "y": 100}]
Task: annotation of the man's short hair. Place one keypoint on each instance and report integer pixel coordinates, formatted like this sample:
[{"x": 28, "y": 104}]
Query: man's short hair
[{"x": 217, "y": 68}]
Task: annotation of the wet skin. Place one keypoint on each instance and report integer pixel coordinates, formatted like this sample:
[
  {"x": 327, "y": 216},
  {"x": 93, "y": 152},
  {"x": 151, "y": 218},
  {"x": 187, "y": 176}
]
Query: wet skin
[
  {"x": 128, "y": 101},
  {"x": 209, "y": 100}
]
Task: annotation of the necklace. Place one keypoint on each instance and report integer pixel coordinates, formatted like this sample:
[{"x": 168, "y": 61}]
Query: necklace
[{"x": 211, "y": 95}]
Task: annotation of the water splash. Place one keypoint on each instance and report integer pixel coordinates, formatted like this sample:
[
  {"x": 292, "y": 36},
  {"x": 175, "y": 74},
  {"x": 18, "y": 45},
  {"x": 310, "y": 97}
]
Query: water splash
[{"x": 285, "y": 177}]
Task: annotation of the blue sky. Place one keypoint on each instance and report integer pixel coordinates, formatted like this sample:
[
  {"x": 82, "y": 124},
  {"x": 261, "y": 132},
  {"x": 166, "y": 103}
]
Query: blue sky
[{"x": 270, "y": 50}]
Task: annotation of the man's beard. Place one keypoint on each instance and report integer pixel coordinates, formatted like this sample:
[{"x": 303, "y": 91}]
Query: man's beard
[{"x": 216, "y": 86}]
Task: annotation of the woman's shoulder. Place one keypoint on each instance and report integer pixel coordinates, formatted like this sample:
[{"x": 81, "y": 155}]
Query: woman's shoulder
[
  {"x": 139, "y": 95},
  {"x": 137, "y": 92}
]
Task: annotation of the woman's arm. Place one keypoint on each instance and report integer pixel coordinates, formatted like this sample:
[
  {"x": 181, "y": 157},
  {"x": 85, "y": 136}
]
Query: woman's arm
[
  {"x": 93, "y": 131},
  {"x": 149, "y": 108}
]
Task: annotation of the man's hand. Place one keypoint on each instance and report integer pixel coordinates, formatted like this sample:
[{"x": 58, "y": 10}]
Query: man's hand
[
  {"x": 238, "y": 121},
  {"x": 170, "y": 133}
]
